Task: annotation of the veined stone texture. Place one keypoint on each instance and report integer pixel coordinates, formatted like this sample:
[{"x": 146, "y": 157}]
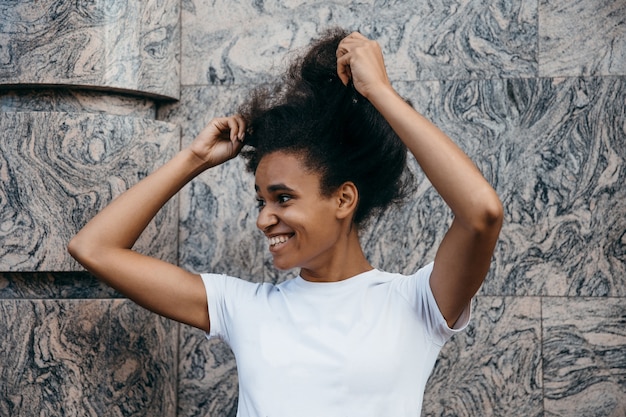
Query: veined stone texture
[
  {"x": 58, "y": 170},
  {"x": 85, "y": 358},
  {"x": 493, "y": 368},
  {"x": 76, "y": 101},
  {"x": 53, "y": 285},
  {"x": 583, "y": 356},
  {"x": 582, "y": 38},
  {"x": 422, "y": 40},
  {"x": 533, "y": 91},
  {"x": 554, "y": 151},
  {"x": 105, "y": 44},
  {"x": 80, "y": 83}
]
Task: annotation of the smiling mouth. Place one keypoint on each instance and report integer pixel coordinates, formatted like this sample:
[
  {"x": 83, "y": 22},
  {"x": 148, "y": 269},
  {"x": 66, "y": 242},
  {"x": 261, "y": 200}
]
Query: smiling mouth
[{"x": 274, "y": 241}]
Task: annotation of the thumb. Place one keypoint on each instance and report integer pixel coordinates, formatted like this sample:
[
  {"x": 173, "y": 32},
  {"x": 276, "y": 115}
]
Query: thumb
[{"x": 343, "y": 69}]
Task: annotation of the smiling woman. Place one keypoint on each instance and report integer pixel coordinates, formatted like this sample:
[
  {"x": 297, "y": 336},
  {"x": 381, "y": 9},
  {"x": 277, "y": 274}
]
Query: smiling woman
[
  {"x": 328, "y": 149},
  {"x": 305, "y": 228}
]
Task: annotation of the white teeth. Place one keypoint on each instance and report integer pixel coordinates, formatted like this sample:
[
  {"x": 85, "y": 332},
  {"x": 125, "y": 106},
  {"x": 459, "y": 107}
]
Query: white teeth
[{"x": 275, "y": 240}]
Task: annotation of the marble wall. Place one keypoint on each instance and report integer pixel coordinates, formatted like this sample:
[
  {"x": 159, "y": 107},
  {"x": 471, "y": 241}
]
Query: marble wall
[
  {"x": 80, "y": 83},
  {"x": 124, "y": 45},
  {"x": 533, "y": 91}
]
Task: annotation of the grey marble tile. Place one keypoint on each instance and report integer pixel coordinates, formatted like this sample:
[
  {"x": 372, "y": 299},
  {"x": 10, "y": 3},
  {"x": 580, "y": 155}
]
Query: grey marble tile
[
  {"x": 53, "y": 285},
  {"x": 207, "y": 381},
  {"x": 562, "y": 179},
  {"x": 248, "y": 41},
  {"x": 584, "y": 350},
  {"x": 76, "y": 101},
  {"x": 58, "y": 170},
  {"x": 199, "y": 104},
  {"x": 494, "y": 367},
  {"x": 86, "y": 358},
  {"x": 582, "y": 37},
  {"x": 218, "y": 209},
  {"x": 125, "y": 45},
  {"x": 554, "y": 150}
]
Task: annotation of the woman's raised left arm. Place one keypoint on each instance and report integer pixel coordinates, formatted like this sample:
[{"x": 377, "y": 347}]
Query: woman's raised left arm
[{"x": 464, "y": 255}]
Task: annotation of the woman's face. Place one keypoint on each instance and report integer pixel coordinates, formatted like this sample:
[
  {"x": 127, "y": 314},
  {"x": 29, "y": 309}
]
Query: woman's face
[{"x": 300, "y": 224}]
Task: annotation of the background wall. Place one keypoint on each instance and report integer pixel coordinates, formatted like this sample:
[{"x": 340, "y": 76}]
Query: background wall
[{"x": 96, "y": 95}]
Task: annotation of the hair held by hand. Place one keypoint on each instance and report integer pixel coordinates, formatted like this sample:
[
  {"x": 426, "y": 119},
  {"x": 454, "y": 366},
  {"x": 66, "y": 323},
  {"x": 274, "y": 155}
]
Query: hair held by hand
[{"x": 338, "y": 134}]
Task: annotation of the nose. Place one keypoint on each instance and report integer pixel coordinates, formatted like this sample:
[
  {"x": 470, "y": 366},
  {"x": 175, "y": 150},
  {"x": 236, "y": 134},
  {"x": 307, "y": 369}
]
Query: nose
[{"x": 266, "y": 219}]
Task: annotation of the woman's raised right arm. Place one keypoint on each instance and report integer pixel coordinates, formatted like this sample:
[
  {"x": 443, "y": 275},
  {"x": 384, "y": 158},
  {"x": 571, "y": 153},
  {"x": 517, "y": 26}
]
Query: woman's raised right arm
[{"x": 104, "y": 245}]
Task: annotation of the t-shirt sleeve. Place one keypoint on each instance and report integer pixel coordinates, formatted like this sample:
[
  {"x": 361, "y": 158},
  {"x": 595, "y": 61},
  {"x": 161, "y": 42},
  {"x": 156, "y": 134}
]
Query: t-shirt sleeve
[
  {"x": 224, "y": 293},
  {"x": 417, "y": 291}
]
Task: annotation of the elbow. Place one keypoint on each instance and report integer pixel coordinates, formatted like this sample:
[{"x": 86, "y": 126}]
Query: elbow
[
  {"x": 494, "y": 215},
  {"x": 79, "y": 251},
  {"x": 489, "y": 214},
  {"x": 493, "y": 210},
  {"x": 73, "y": 248}
]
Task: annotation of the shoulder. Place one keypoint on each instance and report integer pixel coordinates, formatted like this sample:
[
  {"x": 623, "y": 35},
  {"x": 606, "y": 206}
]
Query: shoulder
[
  {"x": 416, "y": 289},
  {"x": 413, "y": 288},
  {"x": 417, "y": 278},
  {"x": 220, "y": 284}
]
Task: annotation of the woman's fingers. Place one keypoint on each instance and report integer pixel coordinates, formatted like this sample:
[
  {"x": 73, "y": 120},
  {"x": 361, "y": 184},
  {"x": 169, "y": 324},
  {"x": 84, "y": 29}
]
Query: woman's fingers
[
  {"x": 360, "y": 59},
  {"x": 232, "y": 127},
  {"x": 343, "y": 70},
  {"x": 237, "y": 128},
  {"x": 221, "y": 139},
  {"x": 343, "y": 58},
  {"x": 237, "y": 133}
]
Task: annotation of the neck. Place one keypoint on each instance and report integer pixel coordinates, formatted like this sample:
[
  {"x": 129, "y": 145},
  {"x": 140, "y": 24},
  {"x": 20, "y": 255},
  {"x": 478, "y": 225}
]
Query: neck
[{"x": 347, "y": 261}]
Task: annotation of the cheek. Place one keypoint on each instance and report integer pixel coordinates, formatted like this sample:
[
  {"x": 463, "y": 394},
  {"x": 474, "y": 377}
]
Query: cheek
[
  {"x": 312, "y": 220},
  {"x": 323, "y": 227}
]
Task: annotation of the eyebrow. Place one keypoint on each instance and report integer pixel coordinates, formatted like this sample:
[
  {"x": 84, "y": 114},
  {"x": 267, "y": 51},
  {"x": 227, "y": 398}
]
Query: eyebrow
[{"x": 274, "y": 187}]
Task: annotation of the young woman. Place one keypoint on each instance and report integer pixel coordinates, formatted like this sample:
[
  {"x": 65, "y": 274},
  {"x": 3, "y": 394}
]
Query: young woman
[{"x": 328, "y": 150}]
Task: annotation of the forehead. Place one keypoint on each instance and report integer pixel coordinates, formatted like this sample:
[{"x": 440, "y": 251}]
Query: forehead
[{"x": 286, "y": 169}]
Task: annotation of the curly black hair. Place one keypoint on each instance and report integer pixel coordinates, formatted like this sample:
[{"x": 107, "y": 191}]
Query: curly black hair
[{"x": 338, "y": 133}]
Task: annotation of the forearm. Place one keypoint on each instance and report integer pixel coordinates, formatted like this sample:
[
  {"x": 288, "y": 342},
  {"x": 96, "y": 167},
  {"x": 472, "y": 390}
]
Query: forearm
[
  {"x": 121, "y": 222},
  {"x": 455, "y": 177},
  {"x": 118, "y": 226},
  {"x": 104, "y": 245}
]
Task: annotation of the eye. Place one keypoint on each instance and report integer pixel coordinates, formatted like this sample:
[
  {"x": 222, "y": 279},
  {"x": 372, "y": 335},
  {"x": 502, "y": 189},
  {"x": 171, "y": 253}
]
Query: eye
[
  {"x": 283, "y": 198},
  {"x": 260, "y": 203}
]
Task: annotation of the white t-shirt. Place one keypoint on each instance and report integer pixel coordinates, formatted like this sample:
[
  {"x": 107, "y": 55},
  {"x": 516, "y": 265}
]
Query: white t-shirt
[{"x": 362, "y": 347}]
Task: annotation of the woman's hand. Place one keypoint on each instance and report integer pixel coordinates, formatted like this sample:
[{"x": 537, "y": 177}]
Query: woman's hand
[
  {"x": 219, "y": 141},
  {"x": 361, "y": 60}
]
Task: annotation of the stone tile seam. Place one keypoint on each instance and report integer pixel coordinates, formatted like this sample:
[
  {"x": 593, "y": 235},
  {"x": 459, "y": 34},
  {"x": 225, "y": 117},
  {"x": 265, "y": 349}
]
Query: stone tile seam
[{"x": 537, "y": 77}]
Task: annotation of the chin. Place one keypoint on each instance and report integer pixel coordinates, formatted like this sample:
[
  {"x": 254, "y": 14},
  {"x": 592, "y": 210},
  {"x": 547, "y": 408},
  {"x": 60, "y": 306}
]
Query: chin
[{"x": 283, "y": 266}]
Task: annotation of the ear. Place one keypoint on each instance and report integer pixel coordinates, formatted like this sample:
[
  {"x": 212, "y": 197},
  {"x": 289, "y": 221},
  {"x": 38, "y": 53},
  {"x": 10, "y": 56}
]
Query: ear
[{"x": 347, "y": 200}]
